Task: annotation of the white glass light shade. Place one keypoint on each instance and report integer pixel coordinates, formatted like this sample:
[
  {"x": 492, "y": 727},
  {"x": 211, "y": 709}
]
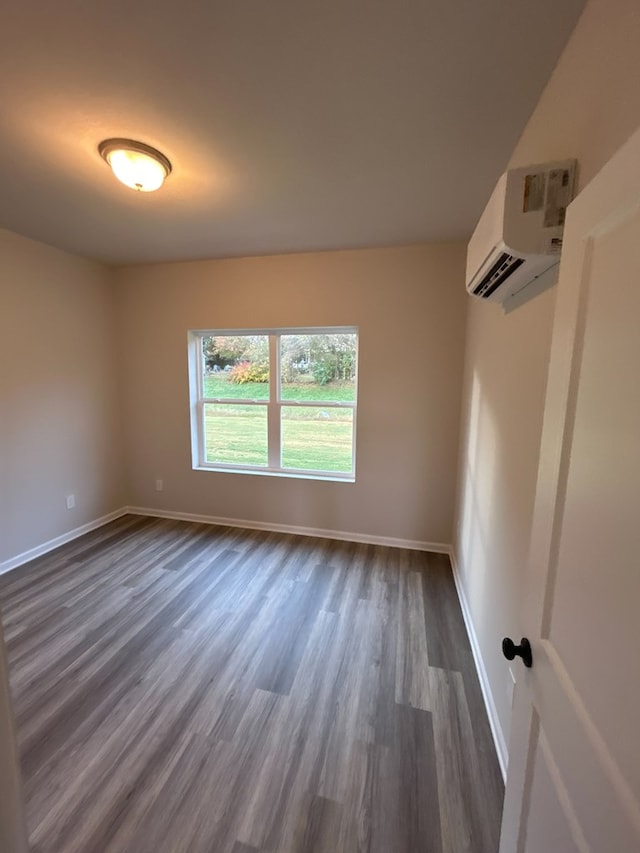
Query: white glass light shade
[{"x": 134, "y": 164}]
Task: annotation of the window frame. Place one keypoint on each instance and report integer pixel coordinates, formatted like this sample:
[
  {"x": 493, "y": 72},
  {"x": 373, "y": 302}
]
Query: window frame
[{"x": 273, "y": 404}]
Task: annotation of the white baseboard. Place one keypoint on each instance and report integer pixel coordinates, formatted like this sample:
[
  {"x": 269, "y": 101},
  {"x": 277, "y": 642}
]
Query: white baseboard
[
  {"x": 39, "y": 550},
  {"x": 344, "y": 536},
  {"x": 487, "y": 695}
]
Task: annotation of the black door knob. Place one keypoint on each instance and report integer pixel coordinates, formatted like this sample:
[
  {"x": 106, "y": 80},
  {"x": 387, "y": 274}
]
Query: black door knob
[{"x": 510, "y": 650}]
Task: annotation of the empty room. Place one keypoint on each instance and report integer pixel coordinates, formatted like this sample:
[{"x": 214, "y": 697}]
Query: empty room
[{"x": 319, "y": 418}]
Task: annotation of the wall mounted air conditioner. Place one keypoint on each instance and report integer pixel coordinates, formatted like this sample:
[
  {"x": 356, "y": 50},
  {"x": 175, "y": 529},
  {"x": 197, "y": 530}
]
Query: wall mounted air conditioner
[{"x": 519, "y": 235}]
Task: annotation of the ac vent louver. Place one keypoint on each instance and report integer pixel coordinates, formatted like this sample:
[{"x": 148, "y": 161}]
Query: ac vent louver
[{"x": 499, "y": 272}]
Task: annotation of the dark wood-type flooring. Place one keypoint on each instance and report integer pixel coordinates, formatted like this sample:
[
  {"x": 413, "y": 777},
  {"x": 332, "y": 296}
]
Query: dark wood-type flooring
[{"x": 183, "y": 687}]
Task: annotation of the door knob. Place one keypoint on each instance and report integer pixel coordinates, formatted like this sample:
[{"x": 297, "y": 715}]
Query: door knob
[{"x": 510, "y": 650}]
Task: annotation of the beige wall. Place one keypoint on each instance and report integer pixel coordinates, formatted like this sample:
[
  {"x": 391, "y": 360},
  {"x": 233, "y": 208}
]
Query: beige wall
[
  {"x": 589, "y": 108},
  {"x": 59, "y": 417},
  {"x": 409, "y": 306}
]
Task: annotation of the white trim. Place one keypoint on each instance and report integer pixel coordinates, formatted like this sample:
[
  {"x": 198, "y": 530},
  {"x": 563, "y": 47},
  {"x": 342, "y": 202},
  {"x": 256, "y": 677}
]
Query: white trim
[
  {"x": 341, "y": 535},
  {"x": 494, "y": 722},
  {"x": 274, "y": 404},
  {"x": 279, "y": 330},
  {"x": 266, "y": 471},
  {"x": 39, "y": 550}
]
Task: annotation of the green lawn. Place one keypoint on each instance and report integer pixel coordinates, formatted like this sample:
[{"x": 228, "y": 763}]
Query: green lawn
[
  {"x": 321, "y": 445},
  {"x": 218, "y": 385},
  {"x": 312, "y": 438}
]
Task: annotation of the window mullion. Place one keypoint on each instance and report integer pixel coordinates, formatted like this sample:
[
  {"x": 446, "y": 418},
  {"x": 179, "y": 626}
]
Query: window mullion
[
  {"x": 201, "y": 433},
  {"x": 199, "y": 367},
  {"x": 273, "y": 416}
]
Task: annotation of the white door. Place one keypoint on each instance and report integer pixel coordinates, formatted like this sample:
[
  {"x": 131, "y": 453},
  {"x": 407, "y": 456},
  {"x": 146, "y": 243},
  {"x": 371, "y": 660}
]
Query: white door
[{"x": 574, "y": 770}]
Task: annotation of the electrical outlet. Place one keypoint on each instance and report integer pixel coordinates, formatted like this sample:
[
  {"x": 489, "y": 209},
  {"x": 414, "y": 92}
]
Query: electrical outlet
[
  {"x": 159, "y": 485},
  {"x": 71, "y": 501}
]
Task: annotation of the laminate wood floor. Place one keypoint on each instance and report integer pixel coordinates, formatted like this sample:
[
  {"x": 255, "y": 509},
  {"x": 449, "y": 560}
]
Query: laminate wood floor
[{"x": 182, "y": 687}]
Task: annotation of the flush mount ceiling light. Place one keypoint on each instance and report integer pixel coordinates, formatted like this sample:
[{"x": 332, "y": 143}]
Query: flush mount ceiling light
[{"x": 137, "y": 165}]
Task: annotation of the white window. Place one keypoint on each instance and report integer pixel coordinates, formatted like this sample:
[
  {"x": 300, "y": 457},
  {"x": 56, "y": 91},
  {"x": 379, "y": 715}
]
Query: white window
[{"x": 274, "y": 401}]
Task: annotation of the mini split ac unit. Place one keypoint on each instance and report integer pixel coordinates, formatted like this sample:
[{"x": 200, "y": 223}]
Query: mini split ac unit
[{"x": 519, "y": 235}]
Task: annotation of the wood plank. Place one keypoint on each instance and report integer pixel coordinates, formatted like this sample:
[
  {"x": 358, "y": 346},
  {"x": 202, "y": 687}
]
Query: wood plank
[
  {"x": 183, "y": 687},
  {"x": 469, "y": 816},
  {"x": 412, "y": 684},
  {"x": 288, "y": 638}
]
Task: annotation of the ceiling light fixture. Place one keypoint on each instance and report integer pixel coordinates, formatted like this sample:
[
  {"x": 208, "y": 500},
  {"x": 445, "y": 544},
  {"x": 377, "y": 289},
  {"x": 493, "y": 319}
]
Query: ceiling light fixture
[{"x": 135, "y": 164}]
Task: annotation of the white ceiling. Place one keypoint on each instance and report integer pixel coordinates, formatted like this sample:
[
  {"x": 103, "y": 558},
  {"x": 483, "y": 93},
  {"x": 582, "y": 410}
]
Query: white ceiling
[{"x": 292, "y": 125}]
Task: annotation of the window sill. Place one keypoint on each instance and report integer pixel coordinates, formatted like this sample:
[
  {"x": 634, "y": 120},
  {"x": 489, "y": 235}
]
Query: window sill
[{"x": 289, "y": 475}]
